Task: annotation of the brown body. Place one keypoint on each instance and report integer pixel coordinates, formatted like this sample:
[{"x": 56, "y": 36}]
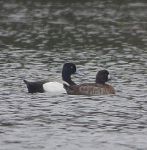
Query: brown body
[
  {"x": 97, "y": 88},
  {"x": 90, "y": 89}
]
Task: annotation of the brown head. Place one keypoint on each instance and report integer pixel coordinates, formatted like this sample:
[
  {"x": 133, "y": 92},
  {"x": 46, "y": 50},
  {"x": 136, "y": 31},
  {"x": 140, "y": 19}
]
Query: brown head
[{"x": 102, "y": 77}]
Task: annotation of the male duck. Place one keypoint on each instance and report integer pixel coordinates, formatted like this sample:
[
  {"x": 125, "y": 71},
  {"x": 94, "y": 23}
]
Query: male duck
[
  {"x": 97, "y": 88},
  {"x": 44, "y": 86}
]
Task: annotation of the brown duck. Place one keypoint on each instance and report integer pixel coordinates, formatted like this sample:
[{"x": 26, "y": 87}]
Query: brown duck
[{"x": 97, "y": 88}]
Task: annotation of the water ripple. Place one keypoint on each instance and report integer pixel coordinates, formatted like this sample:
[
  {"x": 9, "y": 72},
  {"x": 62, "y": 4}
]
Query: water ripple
[{"x": 37, "y": 38}]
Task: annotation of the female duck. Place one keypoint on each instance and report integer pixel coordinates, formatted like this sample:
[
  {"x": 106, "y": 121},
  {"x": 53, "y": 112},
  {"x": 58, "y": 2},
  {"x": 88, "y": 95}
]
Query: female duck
[
  {"x": 44, "y": 86},
  {"x": 97, "y": 88}
]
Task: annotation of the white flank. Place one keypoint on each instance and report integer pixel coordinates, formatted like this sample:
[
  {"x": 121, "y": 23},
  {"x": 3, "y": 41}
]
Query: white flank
[{"x": 54, "y": 87}]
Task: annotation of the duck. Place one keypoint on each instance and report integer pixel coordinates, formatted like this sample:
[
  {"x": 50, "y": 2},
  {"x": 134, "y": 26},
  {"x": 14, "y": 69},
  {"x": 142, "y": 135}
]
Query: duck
[
  {"x": 53, "y": 87},
  {"x": 97, "y": 88}
]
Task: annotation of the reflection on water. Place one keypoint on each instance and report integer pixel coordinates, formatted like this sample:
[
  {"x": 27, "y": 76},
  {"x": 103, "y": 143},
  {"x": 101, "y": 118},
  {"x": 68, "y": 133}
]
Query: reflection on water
[{"x": 36, "y": 38}]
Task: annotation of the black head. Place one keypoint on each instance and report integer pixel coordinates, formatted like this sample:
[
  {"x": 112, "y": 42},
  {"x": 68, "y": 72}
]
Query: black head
[
  {"x": 102, "y": 76},
  {"x": 68, "y": 70}
]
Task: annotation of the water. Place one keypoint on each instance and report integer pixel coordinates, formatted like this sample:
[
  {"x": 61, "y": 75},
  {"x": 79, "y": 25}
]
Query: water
[{"x": 36, "y": 38}]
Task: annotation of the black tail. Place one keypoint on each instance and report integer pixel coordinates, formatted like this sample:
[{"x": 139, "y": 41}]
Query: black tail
[
  {"x": 25, "y": 81},
  {"x": 34, "y": 87}
]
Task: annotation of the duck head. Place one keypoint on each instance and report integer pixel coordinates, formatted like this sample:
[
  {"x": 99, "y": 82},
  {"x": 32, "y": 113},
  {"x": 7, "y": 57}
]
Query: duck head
[
  {"x": 102, "y": 76},
  {"x": 67, "y": 71}
]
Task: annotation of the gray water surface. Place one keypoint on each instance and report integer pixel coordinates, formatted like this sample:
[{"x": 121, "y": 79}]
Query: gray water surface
[{"x": 37, "y": 38}]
